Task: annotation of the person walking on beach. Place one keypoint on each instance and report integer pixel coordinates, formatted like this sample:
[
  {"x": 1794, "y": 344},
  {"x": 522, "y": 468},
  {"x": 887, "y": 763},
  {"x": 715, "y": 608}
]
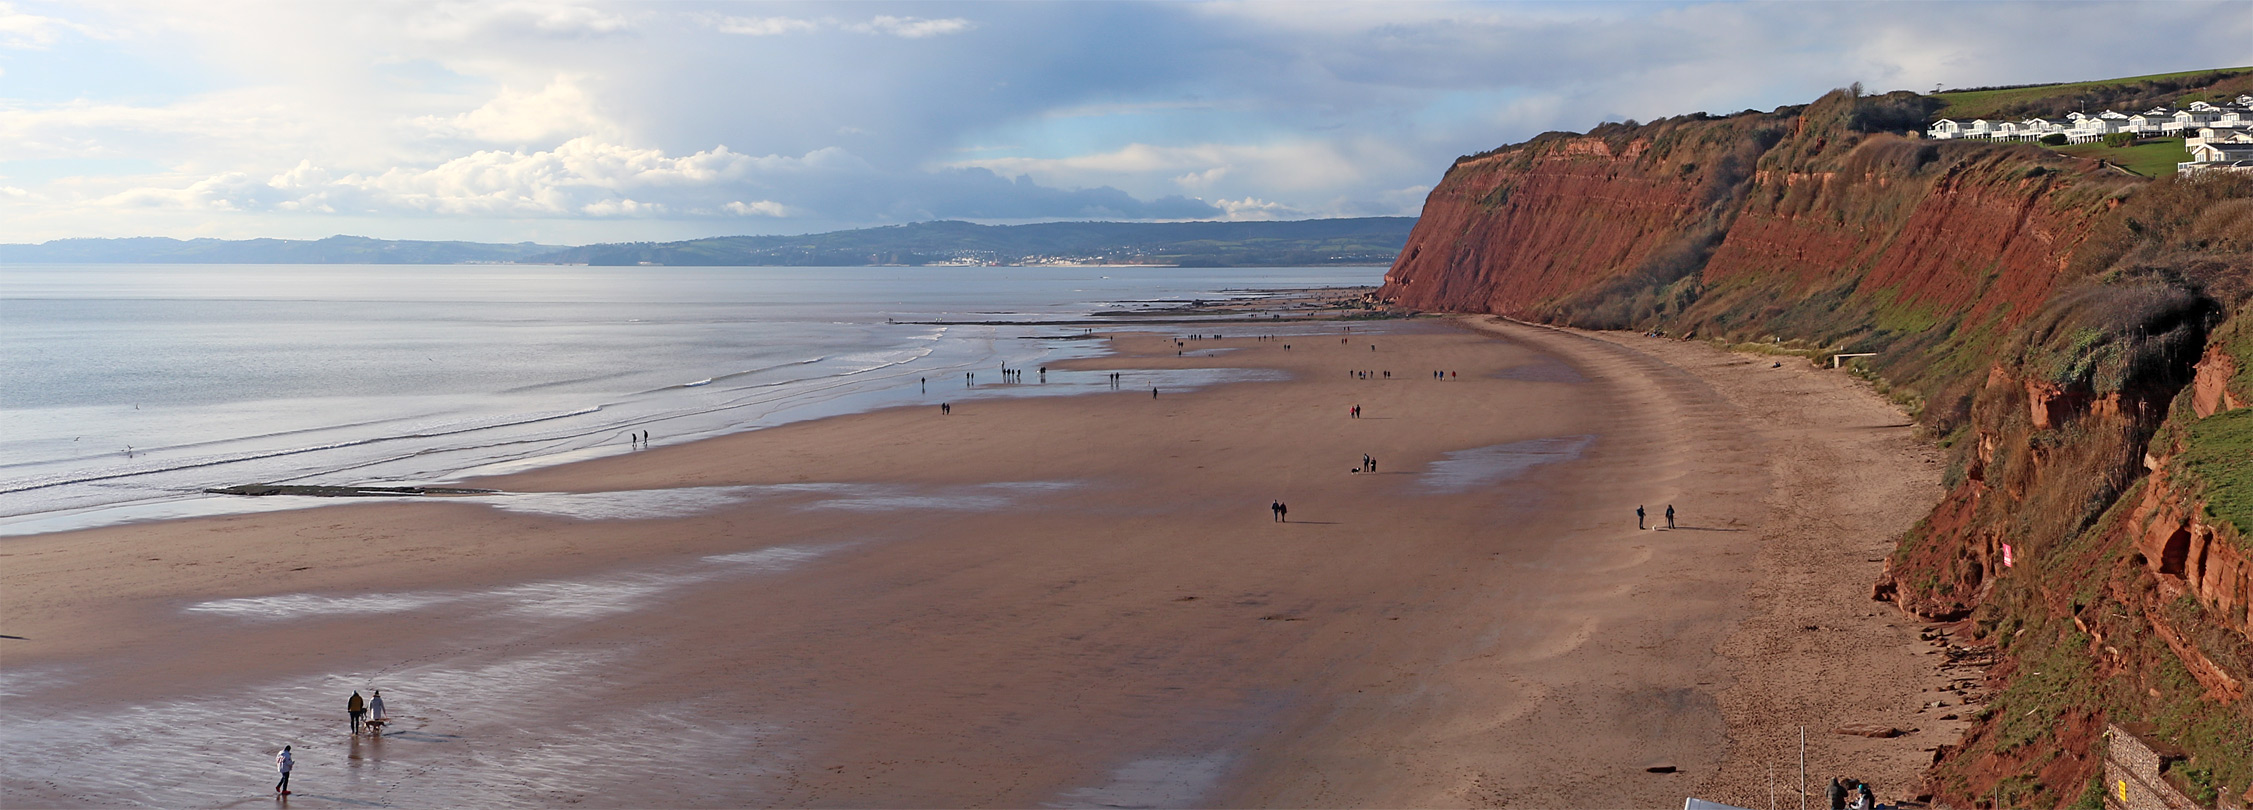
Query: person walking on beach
[
  {"x": 1639, "y": 516},
  {"x": 283, "y": 761},
  {"x": 1670, "y": 516},
  {"x": 1282, "y": 511},
  {"x": 376, "y": 714},
  {"x": 357, "y": 708},
  {"x": 1275, "y": 511},
  {"x": 1153, "y": 392}
]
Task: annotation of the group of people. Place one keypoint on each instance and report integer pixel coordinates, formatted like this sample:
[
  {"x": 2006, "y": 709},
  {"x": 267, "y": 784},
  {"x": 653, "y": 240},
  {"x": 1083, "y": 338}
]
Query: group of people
[
  {"x": 1282, "y": 513},
  {"x": 362, "y": 712},
  {"x": 1639, "y": 516},
  {"x": 1862, "y": 799}
]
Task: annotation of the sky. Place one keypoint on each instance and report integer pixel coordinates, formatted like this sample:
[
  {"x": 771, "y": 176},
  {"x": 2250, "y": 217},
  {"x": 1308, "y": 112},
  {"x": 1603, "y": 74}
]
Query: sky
[{"x": 576, "y": 122}]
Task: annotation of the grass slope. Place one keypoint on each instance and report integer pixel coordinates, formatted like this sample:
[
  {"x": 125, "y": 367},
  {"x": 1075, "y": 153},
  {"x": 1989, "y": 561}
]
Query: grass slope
[
  {"x": 2153, "y": 158},
  {"x": 1970, "y": 104}
]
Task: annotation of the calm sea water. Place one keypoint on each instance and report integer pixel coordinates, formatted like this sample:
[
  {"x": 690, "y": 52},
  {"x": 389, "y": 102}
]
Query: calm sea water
[{"x": 127, "y": 389}]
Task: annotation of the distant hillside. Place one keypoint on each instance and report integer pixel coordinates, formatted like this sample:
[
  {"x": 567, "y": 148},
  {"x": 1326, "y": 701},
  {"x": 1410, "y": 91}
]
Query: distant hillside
[
  {"x": 333, "y": 250},
  {"x": 1369, "y": 240}
]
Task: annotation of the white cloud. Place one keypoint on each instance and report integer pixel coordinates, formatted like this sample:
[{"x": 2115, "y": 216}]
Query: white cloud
[
  {"x": 763, "y": 26},
  {"x": 558, "y": 111},
  {"x": 1198, "y": 181},
  {"x": 623, "y": 206},
  {"x": 1253, "y": 208},
  {"x": 472, "y": 19},
  {"x": 759, "y": 208},
  {"x": 882, "y": 24},
  {"x": 1289, "y": 165},
  {"x": 19, "y": 29},
  {"x": 912, "y": 27},
  {"x": 521, "y": 118}
]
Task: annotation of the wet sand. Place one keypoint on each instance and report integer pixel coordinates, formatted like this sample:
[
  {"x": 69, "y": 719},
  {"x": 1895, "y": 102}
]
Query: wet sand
[{"x": 1033, "y": 601}]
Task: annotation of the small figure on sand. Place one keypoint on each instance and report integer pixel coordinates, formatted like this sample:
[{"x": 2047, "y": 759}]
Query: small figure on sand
[
  {"x": 1670, "y": 516},
  {"x": 1639, "y": 517},
  {"x": 376, "y": 715},
  {"x": 358, "y": 709},
  {"x": 1282, "y": 512},
  {"x": 1275, "y": 511},
  {"x": 284, "y": 761},
  {"x": 945, "y": 408},
  {"x": 1153, "y": 392}
]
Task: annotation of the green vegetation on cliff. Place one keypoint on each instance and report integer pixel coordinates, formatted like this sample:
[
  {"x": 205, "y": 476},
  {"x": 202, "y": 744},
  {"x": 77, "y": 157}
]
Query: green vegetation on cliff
[
  {"x": 2218, "y": 457},
  {"x": 2155, "y": 157}
]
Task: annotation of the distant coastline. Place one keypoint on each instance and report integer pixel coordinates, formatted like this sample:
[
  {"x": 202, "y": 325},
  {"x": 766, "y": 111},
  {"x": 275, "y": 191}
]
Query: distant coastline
[{"x": 1365, "y": 241}]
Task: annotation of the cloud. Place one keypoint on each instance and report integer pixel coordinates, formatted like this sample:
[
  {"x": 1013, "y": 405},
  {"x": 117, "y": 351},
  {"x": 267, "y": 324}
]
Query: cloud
[
  {"x": 1251, "y": 208},
  {"x": 509, "y": 119},
  {"x": 1288, "y": 165},
  {"x": 473, "y": 19},
  {"x": 760, "y": 208},
  {"x": 882, "y": 24},
  {"x": 561, "y": 109},
  {"x": 762, "y": 26},
  {"x": 588, "y": 177},
  {"x": 19, "y": 29},
  {"x": 912, "y": 27}
]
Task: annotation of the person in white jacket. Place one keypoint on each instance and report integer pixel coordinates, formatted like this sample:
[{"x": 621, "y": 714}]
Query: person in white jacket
[
  {"x": 375, "y": 707},
  {"x": 283, "y": 761}
]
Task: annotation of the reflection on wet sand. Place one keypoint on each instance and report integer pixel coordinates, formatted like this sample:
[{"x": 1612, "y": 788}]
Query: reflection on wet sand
[
  {"x": 1466, "y": 470},
  {"x": 525, "y": 731}
]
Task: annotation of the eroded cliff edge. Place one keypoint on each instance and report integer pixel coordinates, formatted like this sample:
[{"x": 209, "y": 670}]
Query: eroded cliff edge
[{"x": 2079, "y": 337}]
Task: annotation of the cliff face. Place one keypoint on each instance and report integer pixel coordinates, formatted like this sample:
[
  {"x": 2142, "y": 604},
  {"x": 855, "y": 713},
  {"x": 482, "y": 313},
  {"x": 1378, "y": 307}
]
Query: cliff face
[
  {"x": 2077, "y": 335},
  {"x": 1516, "y": 231}
]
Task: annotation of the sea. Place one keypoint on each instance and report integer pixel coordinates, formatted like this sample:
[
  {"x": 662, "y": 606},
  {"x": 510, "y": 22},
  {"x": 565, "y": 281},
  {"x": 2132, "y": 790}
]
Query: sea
[{"x": 128, "y": 390}]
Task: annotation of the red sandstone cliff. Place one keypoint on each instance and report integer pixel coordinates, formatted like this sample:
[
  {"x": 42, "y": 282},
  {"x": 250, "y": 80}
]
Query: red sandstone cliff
[{"x": 2055, "y": 319}]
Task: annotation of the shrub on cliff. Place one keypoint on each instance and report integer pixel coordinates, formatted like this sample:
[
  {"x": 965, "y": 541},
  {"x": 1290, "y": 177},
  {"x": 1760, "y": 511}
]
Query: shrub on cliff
[
  {"x": 2194, "y": 231},
  {"x": 1898, "y": 111},
  {"x": 2106, "y": 338}
]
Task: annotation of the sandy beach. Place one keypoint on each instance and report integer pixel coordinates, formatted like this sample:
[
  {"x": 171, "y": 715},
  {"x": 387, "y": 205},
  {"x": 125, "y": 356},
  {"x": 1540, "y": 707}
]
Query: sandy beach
[{"x": 1049, "y": 601}]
